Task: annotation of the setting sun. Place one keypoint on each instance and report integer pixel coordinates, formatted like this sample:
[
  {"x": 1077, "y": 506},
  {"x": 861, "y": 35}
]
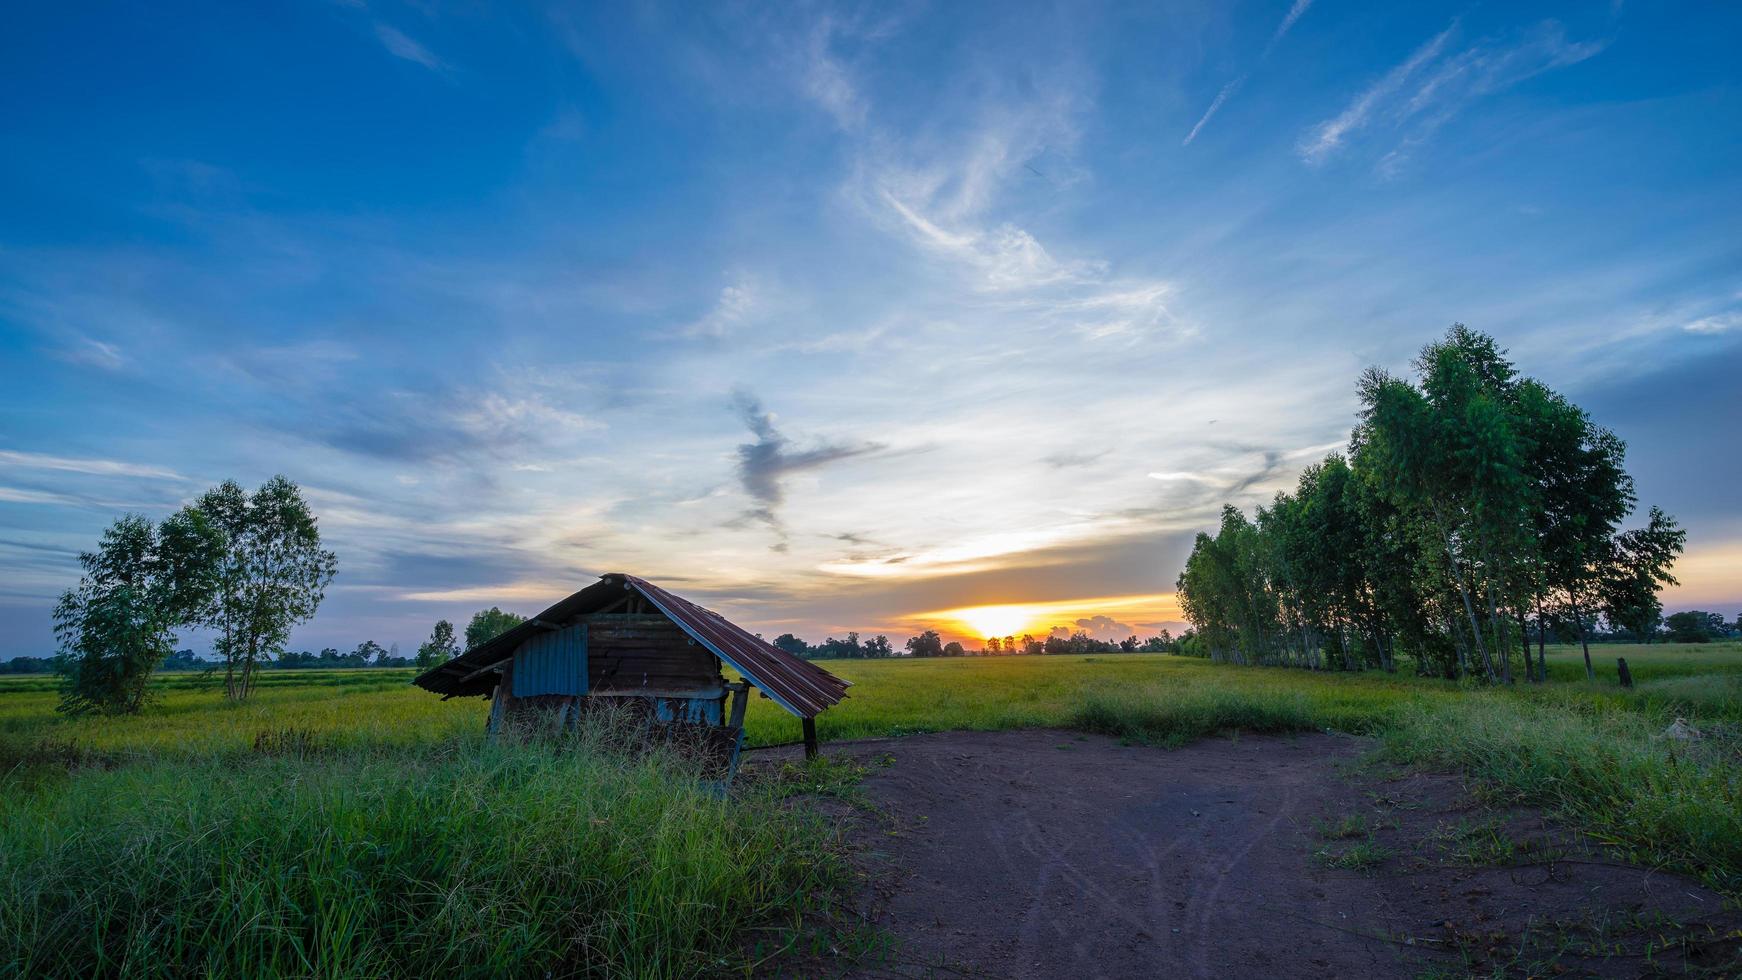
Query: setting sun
[
  {"x": 999, "y": 621},
  {"x": 1039, "y": 618}
]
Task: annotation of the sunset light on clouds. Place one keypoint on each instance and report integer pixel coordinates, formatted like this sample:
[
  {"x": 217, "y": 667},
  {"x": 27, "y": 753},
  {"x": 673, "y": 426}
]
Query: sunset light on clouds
[{"x": 836, "y": 318}]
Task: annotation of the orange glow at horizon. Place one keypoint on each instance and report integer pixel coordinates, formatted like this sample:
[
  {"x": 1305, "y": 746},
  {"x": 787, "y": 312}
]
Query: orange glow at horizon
[
  {"x": 1039, "y": 618},
  {"x": 997, "y": 621}
]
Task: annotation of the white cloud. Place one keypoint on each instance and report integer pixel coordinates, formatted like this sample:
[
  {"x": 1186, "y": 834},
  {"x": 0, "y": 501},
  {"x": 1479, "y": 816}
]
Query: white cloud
[
  {"x": 14, "y": 495},
  {"x": 1221, "y": 97},
  {"x": 1720, "y": 323},
  {"x": 93, "y": 353},
  {"x": 97, "y": 467},
  {"x": 826, "y": 80},
  {"x": 1327, "y": 136},
  {"x": 400, "y": 46},
  {"x": 738, "y": 301},
  {"x": 1295, "y": 11},
  {"x": 494, "y": 416},
  {"x": 1447, "y": 86}
]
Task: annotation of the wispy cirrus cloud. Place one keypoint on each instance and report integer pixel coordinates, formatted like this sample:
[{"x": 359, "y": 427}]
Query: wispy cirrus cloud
[
  {"x": 1325, "y": 138},
  {"x": 10, "y": 459},
  {"x": 1430, "y": 87},
  {"x": 401, "y": 46},
  {"x": 1295, "y": 11},
  {"x": 1227, "y": 91},
  {"x": 1717, "y": 323},
  {"x": 1289, "y": 19},
  {"x": 738, "y": 301},
  {"x": 90, "y": 352}
]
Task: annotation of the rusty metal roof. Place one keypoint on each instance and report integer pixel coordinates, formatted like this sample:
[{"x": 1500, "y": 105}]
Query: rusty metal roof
[{"x": 794, "y": 683}]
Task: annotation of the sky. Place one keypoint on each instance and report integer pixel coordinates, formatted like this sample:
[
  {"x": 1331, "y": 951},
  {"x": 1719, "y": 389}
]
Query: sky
[{"x": 834, "y": 317}]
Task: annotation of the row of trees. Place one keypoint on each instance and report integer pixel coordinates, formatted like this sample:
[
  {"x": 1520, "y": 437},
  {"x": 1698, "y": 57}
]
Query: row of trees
[
  {"x": 832, "y": 649},
  {"x": 929, "y": 643},
  {"x": 441, "y": 647},
  {"x": 247, "y": 566},
  {"x": 1698, "y": 626},
  {"x": 1472, "y": 504}
]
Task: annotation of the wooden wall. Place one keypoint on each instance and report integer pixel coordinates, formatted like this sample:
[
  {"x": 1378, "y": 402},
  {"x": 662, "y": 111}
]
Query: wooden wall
[
  {"x": 647, "y": 653},
  {"x": 628, "y": 655}
]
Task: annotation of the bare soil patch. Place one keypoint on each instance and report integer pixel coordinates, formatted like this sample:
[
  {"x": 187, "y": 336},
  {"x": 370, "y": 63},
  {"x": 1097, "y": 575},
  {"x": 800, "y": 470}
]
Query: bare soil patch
[{"x": 1056, "y": 854}]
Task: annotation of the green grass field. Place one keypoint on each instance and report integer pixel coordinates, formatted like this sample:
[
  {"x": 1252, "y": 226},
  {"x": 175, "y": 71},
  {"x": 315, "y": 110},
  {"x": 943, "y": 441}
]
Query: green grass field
[{"x": 344, "y": 823}]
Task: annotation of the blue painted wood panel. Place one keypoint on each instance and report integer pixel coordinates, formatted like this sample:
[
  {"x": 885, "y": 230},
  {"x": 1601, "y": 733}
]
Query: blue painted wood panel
[
  {"x": 552, "y": 663},
  {"x": 687, "y": 709}
]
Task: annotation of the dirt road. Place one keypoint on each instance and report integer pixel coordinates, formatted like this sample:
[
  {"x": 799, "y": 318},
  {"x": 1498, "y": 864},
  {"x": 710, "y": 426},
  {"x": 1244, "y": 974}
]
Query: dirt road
[{"x": 1053, "y": 854}]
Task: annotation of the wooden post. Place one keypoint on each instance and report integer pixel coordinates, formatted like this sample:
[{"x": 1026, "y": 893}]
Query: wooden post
[
  {"x": 810, "y": 738},
  {"x": 740, "y": 698},
  {"x": 1626, "y": 675}
]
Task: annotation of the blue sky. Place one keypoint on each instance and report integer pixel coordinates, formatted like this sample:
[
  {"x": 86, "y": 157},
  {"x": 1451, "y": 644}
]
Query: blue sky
[{"x": 833, "y": 316}]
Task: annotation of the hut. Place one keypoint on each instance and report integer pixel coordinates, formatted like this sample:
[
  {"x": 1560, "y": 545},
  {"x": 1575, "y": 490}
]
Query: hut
[{"x": 626, "y": 639}]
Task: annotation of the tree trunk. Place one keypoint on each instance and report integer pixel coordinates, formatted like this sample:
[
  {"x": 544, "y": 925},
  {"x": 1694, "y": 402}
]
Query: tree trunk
[
  {"x": 1584, "y": 641},
  {"x": 1470, "y": 610},
  {"x": 1502, "y": 646},
  {"x": 1541, "y": 641},
  {"x": 1524, "y": 641}
]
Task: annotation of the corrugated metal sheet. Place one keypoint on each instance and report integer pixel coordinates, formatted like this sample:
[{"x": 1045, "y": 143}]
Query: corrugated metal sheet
[
  {"x": 554, "y": 662},
  {"x": 797, "y": 685}
]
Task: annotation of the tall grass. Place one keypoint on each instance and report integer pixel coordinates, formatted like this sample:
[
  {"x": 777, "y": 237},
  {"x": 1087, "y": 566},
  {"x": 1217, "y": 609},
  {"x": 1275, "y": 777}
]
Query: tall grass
[
  {"x": 458, "y": 857},
  {"x": 1612, "y": 771},
  {"x": 346, "y": 824}
]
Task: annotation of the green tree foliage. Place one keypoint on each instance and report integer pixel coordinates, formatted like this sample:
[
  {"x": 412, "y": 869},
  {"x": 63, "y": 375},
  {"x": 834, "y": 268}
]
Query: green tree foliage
[
  {"x": 1694, "y": 626},
  {"x": 272, "y": 575},
  {"x": 142, "y": 583},
  {"x": 1638, "y": 566},
  {"x": 439, "y": 648},
  {"x": 926, "y": 644},
  {"x": 851, "y": 648},
  {"x": 28, "y": 665},
  {"x": 1470, "y": 499},
  {"x": 490, "y": 623}
]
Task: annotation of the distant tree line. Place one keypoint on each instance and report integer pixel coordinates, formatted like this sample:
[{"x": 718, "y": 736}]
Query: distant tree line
[
  {"x": 441, "y": 647},
  {"x": 929, "y": 643},
  {"x": 1474, "y": 509}
]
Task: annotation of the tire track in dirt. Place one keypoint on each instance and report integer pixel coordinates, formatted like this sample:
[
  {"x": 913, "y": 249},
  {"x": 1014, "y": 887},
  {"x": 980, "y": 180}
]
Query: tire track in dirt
[{"x": 1053, "y": 854}]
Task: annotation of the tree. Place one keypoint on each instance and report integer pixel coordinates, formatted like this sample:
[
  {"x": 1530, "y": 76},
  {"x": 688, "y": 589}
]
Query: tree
[
  {"x": 272, "y": 576},
  {"x": 439, "y": 648},
  {"x": 141, "y": 584},
  {"x": 1637, "y": 565},
  {"x": 1694, "y": 626},
  {"x": 1472, "y": 502},
  {"x": 954, "y": 649},
  {"x": 926, "y": 644},
  {"x": 793, "y": 645},
  {"x": 878, "y": 646},
  {"x": 368, "y": 653},
  {"x": 488, "y": 624}
]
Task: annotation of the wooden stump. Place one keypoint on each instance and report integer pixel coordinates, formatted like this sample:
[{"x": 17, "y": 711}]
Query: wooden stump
[{"x": 1626, "y": 675}]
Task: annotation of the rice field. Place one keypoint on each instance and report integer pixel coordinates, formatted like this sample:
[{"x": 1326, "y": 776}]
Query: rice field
[{"x": 344, "y": 823}]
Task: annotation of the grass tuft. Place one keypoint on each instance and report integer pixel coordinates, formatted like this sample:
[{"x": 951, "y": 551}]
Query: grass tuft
[{"x": 459, "y": 856}]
